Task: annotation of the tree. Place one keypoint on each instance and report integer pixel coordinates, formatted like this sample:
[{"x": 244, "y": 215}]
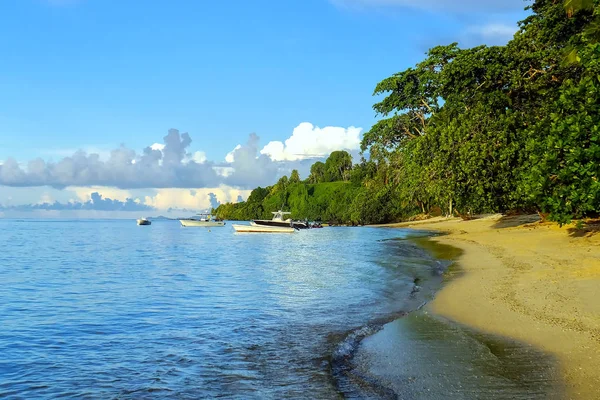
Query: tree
[
  {"x": 413, "y": 96},
  {"x": 338, "y": 166},
  {"x": 294, "y": 176},
  {"x": 317, "y": 172}
]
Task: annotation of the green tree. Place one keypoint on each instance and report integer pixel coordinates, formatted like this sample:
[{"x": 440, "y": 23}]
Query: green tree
[
  {"x": 317, "y": 172},
  {"x": 338, "y": 166},
  {"x": 294, "y": 176}
]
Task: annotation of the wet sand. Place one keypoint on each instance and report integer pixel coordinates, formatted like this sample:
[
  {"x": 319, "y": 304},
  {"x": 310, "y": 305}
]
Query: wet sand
[
  {"x": 531, "y": 282},
  {"x": 423, "y": 356}
]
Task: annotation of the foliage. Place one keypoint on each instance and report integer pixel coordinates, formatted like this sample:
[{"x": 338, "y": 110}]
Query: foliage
[{"x": 485, "y": 129}]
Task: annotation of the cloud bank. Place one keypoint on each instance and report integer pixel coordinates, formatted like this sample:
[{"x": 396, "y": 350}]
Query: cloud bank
[
  {"x": 308, "y": 141},
  {"x": 96, "y": 203},
  {"x": 171, "y": 165},
  {"x": 124, "y": 169}
]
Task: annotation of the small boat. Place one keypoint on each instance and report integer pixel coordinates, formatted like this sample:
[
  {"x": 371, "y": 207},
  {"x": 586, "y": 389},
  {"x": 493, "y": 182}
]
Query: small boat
[
  {"x": 280, "y": 222},
  {"x": 201, "y": 220},
  {"x": 144, "y": 221},
  {"x": 256, "y": 228}
]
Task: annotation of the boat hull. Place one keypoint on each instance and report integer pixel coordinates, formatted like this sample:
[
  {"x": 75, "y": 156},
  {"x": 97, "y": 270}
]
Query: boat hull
[
  {"x": 282, "y": 224},
  {"x": 143, "y": 222},
  {"x": 200, "y": 224},
  {"x": 256, "y": 228}
]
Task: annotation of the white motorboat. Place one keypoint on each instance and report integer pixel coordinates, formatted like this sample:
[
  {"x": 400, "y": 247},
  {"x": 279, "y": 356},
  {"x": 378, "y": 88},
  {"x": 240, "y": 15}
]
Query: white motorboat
[
  {"x": 144, "y": 221},
  {"x": 280, "y": 222},
  {"x": 201, "y": 220},
  {"x": 256, "y": 228}
]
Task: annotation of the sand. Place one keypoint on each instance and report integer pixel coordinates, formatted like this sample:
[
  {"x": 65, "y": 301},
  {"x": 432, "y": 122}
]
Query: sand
[{"x": 530, "y": 281}]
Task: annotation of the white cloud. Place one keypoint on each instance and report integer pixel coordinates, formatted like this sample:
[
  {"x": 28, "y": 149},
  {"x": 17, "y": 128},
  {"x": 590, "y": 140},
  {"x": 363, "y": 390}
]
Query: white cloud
[
  {"x": 128, "y": 175},
  {"x": 224, "y": 171},
  {"x": 194, "y": 199},
  {"x": 45, "y": 199},
  {"x": 158, "y": 146},
  {"x": 230, "y": 156},
  {"x": 198, "y": 156},
  {"x": 85, "y": 193},
  {"x": 309, "y": 141}
]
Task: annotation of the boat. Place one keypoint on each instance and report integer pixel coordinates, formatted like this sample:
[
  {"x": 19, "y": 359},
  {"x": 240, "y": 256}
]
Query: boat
[
  {"x": 201, "y": 220},
  {"x": 256, "y": 228},
  {"x": 278, "y": 221},
  {"x": 144, "y": 221}
]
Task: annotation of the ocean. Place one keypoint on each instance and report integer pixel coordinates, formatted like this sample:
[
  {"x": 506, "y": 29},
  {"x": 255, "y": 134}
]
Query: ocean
[{"x": 108, "y": 309}]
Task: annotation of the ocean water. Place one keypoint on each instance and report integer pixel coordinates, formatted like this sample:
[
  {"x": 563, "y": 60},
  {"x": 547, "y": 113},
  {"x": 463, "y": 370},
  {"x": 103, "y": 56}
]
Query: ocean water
[{"x": 108, "y": 309}]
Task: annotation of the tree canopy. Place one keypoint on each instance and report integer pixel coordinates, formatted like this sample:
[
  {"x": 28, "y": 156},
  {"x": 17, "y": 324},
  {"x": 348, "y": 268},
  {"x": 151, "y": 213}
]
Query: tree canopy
[{"x": 482, "y": 129}]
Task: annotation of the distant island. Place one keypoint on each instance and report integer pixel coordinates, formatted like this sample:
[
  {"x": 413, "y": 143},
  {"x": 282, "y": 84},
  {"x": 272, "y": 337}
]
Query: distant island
[{"x": 161, "y": 217}]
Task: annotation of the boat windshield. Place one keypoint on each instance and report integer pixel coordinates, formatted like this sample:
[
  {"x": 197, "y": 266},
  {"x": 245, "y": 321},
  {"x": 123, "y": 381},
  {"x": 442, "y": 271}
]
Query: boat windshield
[
  {"x": 278, "y": 215},
  {"x": 202, "y": 217}
]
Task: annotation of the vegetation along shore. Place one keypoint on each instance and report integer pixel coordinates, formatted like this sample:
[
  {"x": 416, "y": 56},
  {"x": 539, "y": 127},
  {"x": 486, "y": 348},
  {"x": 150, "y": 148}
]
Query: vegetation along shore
[{"x": 488, "y": 129}]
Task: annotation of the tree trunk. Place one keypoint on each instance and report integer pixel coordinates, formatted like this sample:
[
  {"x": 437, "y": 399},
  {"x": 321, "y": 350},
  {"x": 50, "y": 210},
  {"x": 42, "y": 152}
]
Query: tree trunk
[{"x": 451, "y": 208}]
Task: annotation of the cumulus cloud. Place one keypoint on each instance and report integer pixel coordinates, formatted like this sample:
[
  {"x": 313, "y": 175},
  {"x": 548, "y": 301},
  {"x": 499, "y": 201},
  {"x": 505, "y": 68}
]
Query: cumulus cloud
[
  {"x": 309, "y": 141},
  {"x": 170, "y": 166},
  {"x": 248, "y": 165},
  {"x": 214, "y": 201},
  {"x": 85, "y": 193},
  {"x": 307, "y": 144},
  {"x": 462, "y": 6},
  {"x": 197, "y": 157},
  {"x": 197, "y": 199},
  {"x": 230, "y": 156},
  {"x": 96, "y": 202}
]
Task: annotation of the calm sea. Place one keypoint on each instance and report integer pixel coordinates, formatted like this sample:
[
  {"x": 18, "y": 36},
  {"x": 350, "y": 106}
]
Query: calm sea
[{"x": 109, "y": 309}]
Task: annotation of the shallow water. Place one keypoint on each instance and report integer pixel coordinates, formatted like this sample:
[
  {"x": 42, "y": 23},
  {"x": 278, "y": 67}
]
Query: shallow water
[
  {"x": 112, "y": 309},
  {"x": 423, "y": 356},
  {"x": 109, "y": 309}
]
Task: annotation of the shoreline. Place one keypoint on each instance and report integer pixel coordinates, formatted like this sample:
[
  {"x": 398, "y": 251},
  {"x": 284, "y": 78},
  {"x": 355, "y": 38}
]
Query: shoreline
[
  {"x": 349, "y": 378},
  {"x": 528, "y": 281}
]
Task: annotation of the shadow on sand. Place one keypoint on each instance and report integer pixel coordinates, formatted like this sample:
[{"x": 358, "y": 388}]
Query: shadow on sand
[
  {"x": 512, "y": 221},
  {"x": 589, "y": 229}
]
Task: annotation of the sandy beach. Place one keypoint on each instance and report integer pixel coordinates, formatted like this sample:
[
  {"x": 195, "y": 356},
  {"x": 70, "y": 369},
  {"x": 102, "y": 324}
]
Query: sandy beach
[{"x": 533, "y": 282}]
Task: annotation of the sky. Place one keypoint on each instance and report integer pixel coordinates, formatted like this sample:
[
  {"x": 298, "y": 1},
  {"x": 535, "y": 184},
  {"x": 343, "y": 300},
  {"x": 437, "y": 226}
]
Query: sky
[{"x": 114, "y": 108}]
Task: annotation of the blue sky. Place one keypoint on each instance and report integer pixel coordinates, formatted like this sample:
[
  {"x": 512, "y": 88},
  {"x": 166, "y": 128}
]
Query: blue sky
[{"x": 95, "y": 74}]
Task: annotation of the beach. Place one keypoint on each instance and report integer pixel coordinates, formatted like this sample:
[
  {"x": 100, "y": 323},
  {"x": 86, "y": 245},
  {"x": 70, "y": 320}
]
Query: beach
[{"x": 528, "y": 281}]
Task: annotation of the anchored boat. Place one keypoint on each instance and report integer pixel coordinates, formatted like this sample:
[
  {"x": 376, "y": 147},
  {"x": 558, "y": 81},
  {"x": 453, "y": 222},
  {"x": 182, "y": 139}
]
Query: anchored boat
[
  {"x": 278, "y": 221},
  {"x": 256, "y": 228},
  {"x": 201, "y": 220}
]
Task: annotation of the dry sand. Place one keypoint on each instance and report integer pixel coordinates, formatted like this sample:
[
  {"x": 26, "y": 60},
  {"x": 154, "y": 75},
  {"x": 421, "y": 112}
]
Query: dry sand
[{"x": 529, "y": 281}]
